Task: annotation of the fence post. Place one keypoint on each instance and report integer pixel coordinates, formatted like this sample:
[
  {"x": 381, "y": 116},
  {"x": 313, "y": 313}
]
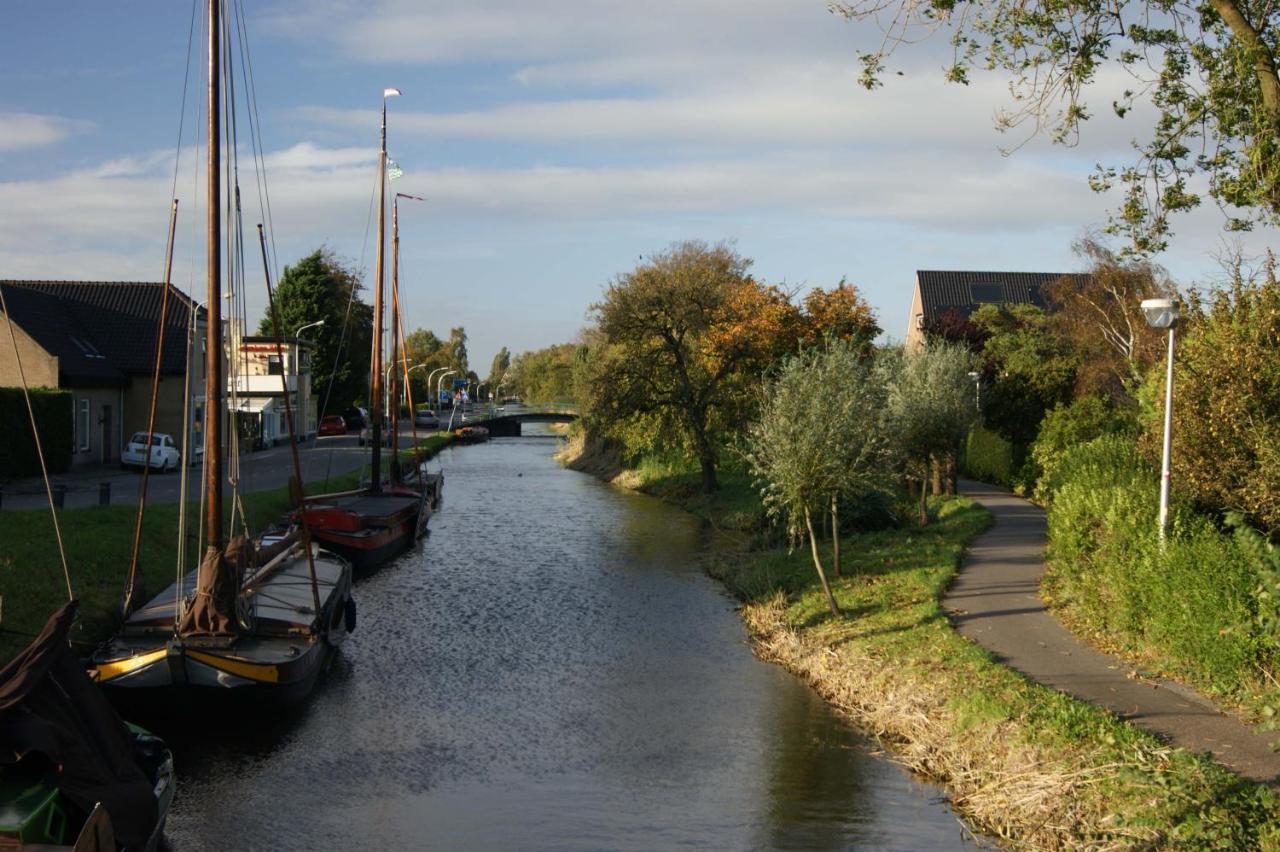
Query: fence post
[
  {"x": 104, "y": 493},
  {"x": 59, "y": 495}
]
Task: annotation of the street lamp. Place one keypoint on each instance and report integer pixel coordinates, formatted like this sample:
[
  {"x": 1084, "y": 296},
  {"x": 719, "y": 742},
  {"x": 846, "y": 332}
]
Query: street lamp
[
  {"x": 298, "y": 334},
  {"x": 435, "y": 403},
  {"x": 977, "y": 389},
  {"x": 440, "y": 381},
  {"x": 1163, "y": 313}
]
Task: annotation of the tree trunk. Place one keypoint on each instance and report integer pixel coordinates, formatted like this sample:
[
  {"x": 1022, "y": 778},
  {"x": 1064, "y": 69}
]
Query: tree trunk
[
  {"x": 706, "y": 456},
  {"x": 817, "y": 563},
  {"x": 924, "y": 502},
  {"x": 835, "y": 535},
  {"x": 951, "y": 475},
  {"x": 911, "y": 487},
  {"x": 935, "y": 475}
]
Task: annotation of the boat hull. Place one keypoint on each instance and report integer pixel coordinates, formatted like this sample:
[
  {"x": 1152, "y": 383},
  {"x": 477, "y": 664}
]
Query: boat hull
[{"x": 370, "y": 529}]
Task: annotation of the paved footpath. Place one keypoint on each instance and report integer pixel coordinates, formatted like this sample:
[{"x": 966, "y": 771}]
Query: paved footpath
[{"x": 995, "y": 601}]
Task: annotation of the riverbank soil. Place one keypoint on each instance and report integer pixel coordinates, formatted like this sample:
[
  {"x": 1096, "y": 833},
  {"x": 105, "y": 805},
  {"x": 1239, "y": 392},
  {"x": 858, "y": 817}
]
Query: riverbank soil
[
  {"x": 1021, "y": 761},
  {"x": 995, "y": 601},
  {"x": 98, "y": 541}
]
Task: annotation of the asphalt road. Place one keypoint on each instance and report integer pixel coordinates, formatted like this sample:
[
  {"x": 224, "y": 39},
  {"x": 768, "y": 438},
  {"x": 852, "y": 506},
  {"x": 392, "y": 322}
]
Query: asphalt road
[{"x": 321, "y": 458}]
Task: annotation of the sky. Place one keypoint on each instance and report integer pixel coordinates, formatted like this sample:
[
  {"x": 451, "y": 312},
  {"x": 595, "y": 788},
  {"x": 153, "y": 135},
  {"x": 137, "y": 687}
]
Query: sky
[{"x": 556, "y": 143}]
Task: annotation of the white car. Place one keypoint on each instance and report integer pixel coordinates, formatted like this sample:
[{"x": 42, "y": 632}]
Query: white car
[
  {"x": 425, "y": 418},
  {"x": 164, "y": 453}
]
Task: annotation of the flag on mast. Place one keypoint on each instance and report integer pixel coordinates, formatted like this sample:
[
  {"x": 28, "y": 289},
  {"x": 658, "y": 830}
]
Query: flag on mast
[
  {"x": 390, "y": 93},
  {"x": 393, "y": 169}
]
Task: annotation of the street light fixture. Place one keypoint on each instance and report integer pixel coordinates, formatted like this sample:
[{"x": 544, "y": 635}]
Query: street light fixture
[
  {"x": 1163, "y": 313},
  {"x": 297, "y": 335},
  {"x": 435, "y": 404},
  {"x": 977, "y": 389}
]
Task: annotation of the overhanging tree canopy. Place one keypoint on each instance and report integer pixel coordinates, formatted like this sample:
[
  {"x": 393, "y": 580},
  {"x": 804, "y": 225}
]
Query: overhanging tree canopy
[{"x": 1209, "y": 67}]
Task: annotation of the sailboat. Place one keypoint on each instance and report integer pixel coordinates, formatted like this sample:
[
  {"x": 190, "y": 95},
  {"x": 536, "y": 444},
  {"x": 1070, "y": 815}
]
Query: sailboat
[
  {"x": 72, "y": 774},
  {"x": 257, "y": 621},
  {"x": 371, "y": 525}
]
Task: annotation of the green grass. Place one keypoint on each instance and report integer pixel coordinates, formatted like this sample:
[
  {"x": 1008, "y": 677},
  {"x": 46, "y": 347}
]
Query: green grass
[
  {"x": 98, "y": 542},
  {"x": 736, "y": 505}
]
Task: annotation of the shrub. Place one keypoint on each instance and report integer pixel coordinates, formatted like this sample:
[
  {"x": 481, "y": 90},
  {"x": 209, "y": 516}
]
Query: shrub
[
  {"x": 988, "y": 457},
  {"x": 1067, "y": 427},
  {"x": 52, "y": 409},
  {"x": 1189, "y": 608}
]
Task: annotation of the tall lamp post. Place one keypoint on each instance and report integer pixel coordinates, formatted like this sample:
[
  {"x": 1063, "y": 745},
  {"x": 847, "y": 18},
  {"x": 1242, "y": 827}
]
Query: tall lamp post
[
  {"x": 977, "y": 389},
  {"x": 304, "y": 403},
  {"x": 1163, "y": 313}
]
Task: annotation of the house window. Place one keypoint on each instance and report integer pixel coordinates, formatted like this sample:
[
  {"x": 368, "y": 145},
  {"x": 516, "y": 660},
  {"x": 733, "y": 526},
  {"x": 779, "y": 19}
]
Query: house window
[
  {"x": 985, "y": 294},
  {"x": 273, "y": 365},
  {"x": 82, "y": 426}
]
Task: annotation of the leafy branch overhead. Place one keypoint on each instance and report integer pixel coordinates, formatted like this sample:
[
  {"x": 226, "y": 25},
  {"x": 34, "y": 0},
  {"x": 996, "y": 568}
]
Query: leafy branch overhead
[{"x": 1208, "y": 68}]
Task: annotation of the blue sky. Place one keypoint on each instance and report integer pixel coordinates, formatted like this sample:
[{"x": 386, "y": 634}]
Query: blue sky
[{"x": 557, "y": 142}]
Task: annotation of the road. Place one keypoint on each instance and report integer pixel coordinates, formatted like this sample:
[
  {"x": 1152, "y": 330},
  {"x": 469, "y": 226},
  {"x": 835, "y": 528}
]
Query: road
[{"x": 321, "y": 458}]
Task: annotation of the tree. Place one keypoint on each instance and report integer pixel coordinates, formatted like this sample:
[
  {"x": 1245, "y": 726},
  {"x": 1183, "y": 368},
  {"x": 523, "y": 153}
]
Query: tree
[
  {"x": 1100, "y": 320},
  {"x": 820, "y": 434},
  {"x": 686, "y": 334},
  {"x": 1028, "y": 369},
  {"x": 840, "y": 313},
  {"x": 322, "y": 287},
  {"x": 456, "y": 350},
  {"x": 546, "y": 375},
  {"x": 1208, "y": 67},
  {"x": 421, "y": 346},
  {"x": 929, "y": 406},
  {"x": 498, "y": 369},
  {"x": 1226, "y": 405}
]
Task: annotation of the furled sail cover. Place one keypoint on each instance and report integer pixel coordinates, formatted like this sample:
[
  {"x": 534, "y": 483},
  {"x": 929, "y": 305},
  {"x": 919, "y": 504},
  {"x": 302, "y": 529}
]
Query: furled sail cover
[
  {"x": 56, "y": 721},
  {"x": 213, "y": 607}
]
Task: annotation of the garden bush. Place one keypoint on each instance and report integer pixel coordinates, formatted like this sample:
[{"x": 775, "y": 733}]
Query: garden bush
[
  {"x": 1188, "y": 609},
  {"x": 52, "y": 409},
  {"x": 988, "y": 457},
  {"x": 1067, "y": 427}
]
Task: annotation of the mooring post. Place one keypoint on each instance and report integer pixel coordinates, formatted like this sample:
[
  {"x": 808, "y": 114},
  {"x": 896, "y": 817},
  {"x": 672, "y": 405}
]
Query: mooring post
[
  {"x": 59, "y": 495},
  {"x": 104, "y": 493}
]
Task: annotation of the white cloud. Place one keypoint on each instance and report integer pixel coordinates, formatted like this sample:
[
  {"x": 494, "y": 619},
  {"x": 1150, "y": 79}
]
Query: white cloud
[{"x": 19, "y": 130}]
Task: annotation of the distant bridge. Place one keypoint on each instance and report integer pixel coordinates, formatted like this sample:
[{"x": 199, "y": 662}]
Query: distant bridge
[{"x": 504, "y": 422}]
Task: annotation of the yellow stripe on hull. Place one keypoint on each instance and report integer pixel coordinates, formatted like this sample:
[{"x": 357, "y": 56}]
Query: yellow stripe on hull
[
  {"x": 104, "y": 672},
  {"x": 261, "y": 672}
]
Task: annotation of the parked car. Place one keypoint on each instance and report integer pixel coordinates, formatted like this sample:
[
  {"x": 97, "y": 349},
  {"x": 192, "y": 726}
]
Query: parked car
[
  {"x": 366, "y": 436},
  {"x": 426, "y": 419},
  {"x": 356, "y": 418},
  {"x": 332, "y": 424},
  {"x": 164, "y": 453}
]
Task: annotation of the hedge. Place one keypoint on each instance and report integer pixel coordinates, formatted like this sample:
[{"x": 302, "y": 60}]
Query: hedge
[
  {"x": 18, "y": 456},
  {"x": 1189, "y": 609},
  {"x": 988, "y": 457}
]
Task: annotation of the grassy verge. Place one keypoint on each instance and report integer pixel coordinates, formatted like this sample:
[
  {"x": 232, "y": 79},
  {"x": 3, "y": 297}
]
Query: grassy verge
[
  {"x": 1020, "y": 761},
  {"x": 98, "y": 542}
]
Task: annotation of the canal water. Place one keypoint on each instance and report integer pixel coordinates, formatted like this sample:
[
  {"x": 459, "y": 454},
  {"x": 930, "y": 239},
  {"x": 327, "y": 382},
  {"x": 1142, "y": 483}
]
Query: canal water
[{"x": 550, "y": 669}]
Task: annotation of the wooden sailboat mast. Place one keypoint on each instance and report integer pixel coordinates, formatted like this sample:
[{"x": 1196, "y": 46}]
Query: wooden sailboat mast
[
  {"x": 396, "y": 342},
  {"x": 214, "y": 381},
  {"x": 375, "y": 404}
]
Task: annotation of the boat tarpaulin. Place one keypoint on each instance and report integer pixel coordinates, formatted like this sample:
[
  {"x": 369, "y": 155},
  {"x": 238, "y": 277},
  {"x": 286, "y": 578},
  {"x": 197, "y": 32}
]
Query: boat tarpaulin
[
  {"x": 55, "y": 720},
  {"x": 212, "y": 611}
]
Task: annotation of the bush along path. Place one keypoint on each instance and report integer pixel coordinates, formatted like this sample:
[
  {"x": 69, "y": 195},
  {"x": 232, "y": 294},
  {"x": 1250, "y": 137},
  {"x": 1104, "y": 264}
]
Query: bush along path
[{"x": 995, "y": 602}]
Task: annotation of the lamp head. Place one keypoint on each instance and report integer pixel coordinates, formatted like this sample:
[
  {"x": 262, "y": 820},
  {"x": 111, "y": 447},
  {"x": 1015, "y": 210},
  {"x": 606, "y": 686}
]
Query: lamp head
[{"x": 1160, "y": 313}]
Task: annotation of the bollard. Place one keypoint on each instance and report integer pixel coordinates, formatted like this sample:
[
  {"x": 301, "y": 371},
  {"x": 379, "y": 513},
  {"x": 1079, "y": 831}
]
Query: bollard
[
  {"x": 59, "y": 495},
  {"x": 1, "y": 495},
  {"x": 104, "y": 493}
]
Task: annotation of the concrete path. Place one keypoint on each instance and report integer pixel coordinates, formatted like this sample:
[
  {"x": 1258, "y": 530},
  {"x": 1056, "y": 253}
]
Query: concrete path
[{"x": 995, "y": 601}]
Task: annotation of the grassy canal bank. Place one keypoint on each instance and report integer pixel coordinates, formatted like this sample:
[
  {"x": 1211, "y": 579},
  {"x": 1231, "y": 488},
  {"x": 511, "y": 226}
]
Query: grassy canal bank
[
  {"x": 1022, "y": 762},
  {"x": 98, "y": 542}
]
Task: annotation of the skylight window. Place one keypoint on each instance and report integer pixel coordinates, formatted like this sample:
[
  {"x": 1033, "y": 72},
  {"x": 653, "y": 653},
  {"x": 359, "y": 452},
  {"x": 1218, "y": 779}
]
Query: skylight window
[{"x": 987, "y": 294}]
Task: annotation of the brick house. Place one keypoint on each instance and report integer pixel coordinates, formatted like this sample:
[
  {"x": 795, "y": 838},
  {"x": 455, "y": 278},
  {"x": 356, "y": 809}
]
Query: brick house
[
  {"x": 938, "y": 292},
  {"x": 97, "y": 339}
]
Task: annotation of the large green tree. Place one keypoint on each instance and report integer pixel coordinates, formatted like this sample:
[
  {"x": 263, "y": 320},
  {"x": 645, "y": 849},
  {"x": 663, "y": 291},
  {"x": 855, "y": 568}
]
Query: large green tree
[
  {"x": 498, "y": 368},
  {"x": 1207, "y": 67},
  {"x": 686, "y": 335},
  {"x": 547, "y": 375},
  {"x": 322, "y": 287}
]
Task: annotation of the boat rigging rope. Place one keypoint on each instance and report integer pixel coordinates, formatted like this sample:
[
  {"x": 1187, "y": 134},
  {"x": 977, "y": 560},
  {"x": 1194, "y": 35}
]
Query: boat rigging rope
[
  {"x": 35, "y": 436},
  {"x": 162, "y": 322}
]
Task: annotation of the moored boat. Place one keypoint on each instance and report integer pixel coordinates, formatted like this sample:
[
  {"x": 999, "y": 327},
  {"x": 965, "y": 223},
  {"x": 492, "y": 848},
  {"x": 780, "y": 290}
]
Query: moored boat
[
  {"x": 470, "y": 434},
  {"x": 72, "y": 774}
]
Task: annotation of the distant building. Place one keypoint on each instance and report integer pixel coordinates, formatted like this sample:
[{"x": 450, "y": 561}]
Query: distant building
[
  {"x": 938, "y": 292},
  {"x": 97, "y": 339},
  {"x": 258, "y": 390}
]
